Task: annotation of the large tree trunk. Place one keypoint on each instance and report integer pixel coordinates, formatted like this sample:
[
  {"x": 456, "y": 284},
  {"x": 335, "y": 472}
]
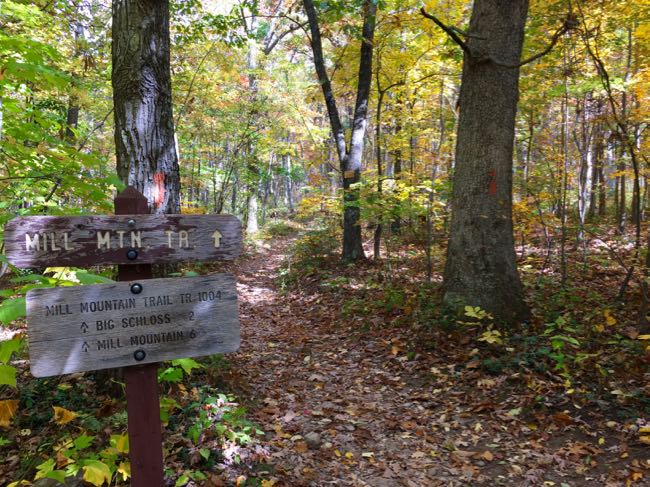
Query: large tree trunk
[
  {"x": 142, "y": 98},
  {"x": 481, "y": 267}
]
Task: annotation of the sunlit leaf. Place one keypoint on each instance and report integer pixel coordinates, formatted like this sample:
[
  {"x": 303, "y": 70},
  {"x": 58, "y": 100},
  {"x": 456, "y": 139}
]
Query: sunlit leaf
[
  {"x": 63, "y": 416},
  {"x": 96, "y": 472},
  {"x": 8, "y": 375},
  {"x": 8, "y": 409}
]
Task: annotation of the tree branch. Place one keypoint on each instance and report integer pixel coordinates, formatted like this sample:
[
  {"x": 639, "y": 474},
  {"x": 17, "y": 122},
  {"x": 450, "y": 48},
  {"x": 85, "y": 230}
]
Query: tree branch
[
  {"x": 324, "y": 80},
  {"x": 448, "y": 30},
  {"x": 556, "y": 37},
  {"x": 274, "y": 42}
]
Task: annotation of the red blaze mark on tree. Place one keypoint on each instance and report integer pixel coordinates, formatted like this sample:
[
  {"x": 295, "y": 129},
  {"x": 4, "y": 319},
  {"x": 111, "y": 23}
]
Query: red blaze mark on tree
[
  {"x": 492, "y": 182},
  {"x": 159, "y": 188}
]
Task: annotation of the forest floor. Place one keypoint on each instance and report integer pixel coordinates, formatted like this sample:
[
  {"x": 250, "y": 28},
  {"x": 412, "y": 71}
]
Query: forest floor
[
  {"x": 345, "y": 400},
  {"x": 353, "y": 376}
]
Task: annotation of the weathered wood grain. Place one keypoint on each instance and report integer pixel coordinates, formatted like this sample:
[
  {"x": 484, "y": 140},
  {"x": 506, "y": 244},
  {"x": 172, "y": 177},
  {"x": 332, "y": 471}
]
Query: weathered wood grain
[
  {"x": 38, "y": 241},
  {"x": 75, "y": 329}
]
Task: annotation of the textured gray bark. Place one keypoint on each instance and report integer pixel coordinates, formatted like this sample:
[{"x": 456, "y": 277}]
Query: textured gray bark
[
  {"x": 481, "y": 265},
  {"x": 142, "y": 98}
]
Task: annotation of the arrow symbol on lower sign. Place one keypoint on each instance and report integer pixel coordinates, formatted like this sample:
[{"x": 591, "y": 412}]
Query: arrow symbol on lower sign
[
  {"x": 84, "y": 327},
  {"x": 85, "y": 347}
]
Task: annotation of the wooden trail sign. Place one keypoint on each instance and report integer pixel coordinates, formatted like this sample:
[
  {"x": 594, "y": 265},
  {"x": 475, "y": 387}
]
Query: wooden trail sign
[
  {"x": 40, "y": 241},
  {"x": 138, "y": 320},
  {"x": 81, "y": 328}
]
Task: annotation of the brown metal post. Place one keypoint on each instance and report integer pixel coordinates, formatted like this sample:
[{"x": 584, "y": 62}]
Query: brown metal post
[{"x": 142, "y": 401}]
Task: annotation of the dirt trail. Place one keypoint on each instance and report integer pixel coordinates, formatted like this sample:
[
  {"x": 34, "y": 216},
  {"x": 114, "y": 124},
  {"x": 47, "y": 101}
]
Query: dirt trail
[
  {"x": 338, "y": 411},
  {"x": 352, "y": 409}
]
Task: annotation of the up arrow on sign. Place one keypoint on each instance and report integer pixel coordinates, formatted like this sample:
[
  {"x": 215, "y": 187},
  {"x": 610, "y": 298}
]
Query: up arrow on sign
[{"x": 217, "y": 239}]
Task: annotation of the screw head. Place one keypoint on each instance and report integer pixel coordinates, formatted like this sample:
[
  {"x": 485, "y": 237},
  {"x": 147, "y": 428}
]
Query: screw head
[
  {"x": 136, "y": 288},
  {"x": 139, "y": 355},
  {"x": 132, "y": 254},
  {"x": 131, "y": 223}
]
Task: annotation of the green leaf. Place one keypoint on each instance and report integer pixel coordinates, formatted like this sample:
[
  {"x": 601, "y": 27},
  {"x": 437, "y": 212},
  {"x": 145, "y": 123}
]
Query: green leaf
[
  {"x": 8, "y": 375},
  {"x": 12, "y": 309},
  {"x": 58, "y": 475},
  {"x": 85, "y": 277},
  {"x": 8, "y": 348},
  {"x": 44, "y": 468},
  {"x": 172, "y": 374},
  {"x": 116, "y": 181},
  {"x": 182, "y": 480},
  {"x": 34, "y": 278},
  {"x": 187, "y": 364},
  {"x": 83, "y": 441},
  {"x": 205, "y": 453}
]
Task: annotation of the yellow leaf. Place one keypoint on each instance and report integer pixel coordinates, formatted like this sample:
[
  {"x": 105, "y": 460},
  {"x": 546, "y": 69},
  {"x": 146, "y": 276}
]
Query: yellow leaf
[
  {"x": 645, "y": 429},
  {"x": 62, "y": 415},
  {"x": 268, "y": 483},
  {"x": 122, "y": 443},
  {"x": 349, "y": 455},
  {"x": 609, "y": 319},
  {"x": 125, "y": 470},
  {"x": 241, "y": 480},
  {"x": 96, "y": 472},
  {"x": 7, "y": 410},
  {"x": 645, "y": 439},
  {"x": 601, "y": 441},
  {"x": 643, "y": 337},
  {"x": 337, "y": 453},
  {"x": 636, "y": 476}
]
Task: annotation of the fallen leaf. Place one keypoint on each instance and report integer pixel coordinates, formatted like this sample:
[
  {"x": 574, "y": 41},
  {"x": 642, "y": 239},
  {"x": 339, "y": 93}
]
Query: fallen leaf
[
  {"x": 96, "y": 472},
  {"x": 62, "y": 415},
  {"x": 7, "y": 410},
  {"x": 563, "y": 419}
]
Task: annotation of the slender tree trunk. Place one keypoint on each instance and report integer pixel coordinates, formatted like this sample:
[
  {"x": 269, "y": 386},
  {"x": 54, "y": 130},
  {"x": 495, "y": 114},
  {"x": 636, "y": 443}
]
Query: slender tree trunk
[
  {"x": 396, "y": 224},
  {"x": 622, "y": 203},
  {"x": 481, "y": 267},
  {"x": 380, "y": 169},
  {"x": 349, "y": 158},
  {"x": 142, "y": 98}
]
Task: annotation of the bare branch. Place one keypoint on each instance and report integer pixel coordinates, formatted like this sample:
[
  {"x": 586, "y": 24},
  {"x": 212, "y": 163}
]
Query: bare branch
[
  {"x": 556, "y": 37},
  {"x": 448, "y": 30},
  {"x": 274, "y": 41}
]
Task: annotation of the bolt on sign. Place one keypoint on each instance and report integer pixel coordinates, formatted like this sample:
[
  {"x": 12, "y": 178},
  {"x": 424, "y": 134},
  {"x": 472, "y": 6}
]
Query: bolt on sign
[
  {"x": 37, "y": 241},
  {"x": 81, "y": 328}
]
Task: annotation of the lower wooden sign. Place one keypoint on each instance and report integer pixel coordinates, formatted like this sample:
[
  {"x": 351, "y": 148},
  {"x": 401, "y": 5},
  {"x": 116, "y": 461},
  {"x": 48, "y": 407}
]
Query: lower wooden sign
[{"x": 75, "y": 329}]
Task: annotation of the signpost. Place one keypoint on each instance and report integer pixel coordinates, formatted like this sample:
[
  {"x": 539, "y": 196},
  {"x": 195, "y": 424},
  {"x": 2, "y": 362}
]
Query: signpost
[
  {"x": 147, "y": 239},
  {"x": 139, "y": 320},
  {"x": 80, "y": 328}
]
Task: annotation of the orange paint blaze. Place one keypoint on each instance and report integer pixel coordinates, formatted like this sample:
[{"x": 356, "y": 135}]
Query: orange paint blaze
[
  {"x": 492, "y": 182},
  {"x": 159, "y": 188}
]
